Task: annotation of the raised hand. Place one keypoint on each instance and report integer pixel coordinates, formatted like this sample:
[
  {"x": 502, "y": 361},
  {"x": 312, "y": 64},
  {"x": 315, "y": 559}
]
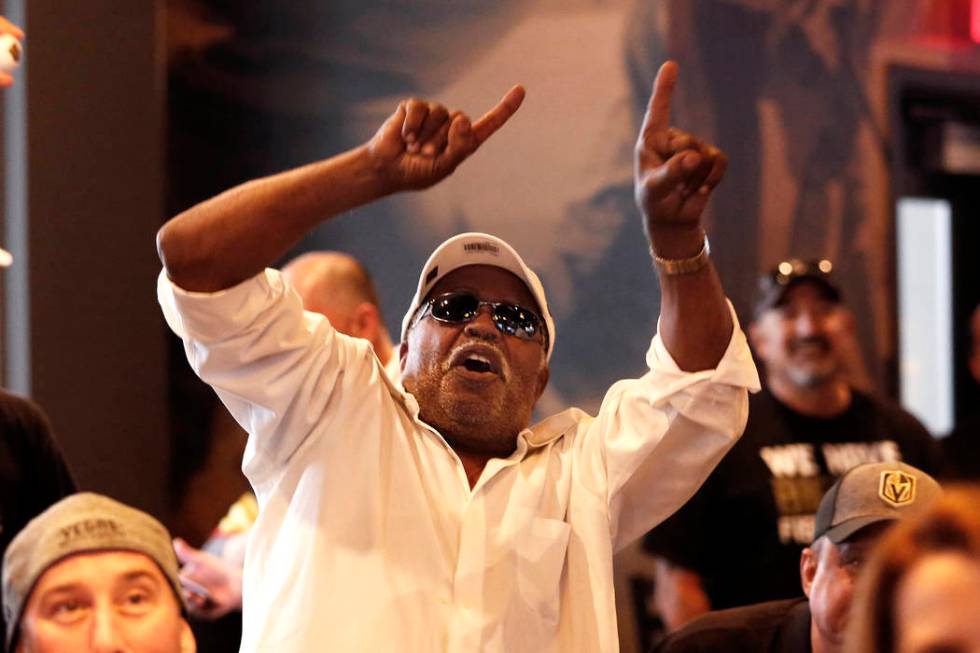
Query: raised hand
[
  {"x": 675, "y": 172},
  {"x": 6, "y": 27},
  {"x": 212, "y": 586},
  {"x": 423, "y": 142}
]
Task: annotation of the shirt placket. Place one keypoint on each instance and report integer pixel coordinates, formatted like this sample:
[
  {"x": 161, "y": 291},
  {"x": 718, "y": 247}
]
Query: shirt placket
[{"x": 470, "y": 619}]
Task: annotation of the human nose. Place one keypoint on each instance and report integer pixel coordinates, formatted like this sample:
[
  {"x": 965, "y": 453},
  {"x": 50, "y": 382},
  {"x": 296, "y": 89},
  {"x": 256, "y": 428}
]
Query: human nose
[
  {"x": 482, "y": 326},
  {"x": 106, "y": 634},
  {"x": 808, "y": 323}
]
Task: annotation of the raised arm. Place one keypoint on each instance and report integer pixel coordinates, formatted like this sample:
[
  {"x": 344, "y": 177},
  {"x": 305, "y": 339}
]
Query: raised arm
[
  {"x": 675, "y": 175},
  {"x": 231, "y": 237}
]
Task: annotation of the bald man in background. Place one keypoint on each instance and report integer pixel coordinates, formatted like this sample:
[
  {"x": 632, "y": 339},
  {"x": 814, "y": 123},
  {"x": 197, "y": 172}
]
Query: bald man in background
[{"x": 339, "y": 287}]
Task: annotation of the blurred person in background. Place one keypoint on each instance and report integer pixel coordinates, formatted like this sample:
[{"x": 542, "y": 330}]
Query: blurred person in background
[
  {"x": 962, "y": 445},
  {"x": 921, "y": 590},
  {"x": 863, "y": 504},
  {"x": 808, "y": 426},
  {"x": 92, "y": 575}
]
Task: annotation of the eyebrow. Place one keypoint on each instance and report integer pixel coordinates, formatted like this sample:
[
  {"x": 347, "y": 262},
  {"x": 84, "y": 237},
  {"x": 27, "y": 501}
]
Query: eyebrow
[
  {"x": 69, "y": 586},
  {"x": 128, "y": 577},
  {"x": 139, "y": 574}
]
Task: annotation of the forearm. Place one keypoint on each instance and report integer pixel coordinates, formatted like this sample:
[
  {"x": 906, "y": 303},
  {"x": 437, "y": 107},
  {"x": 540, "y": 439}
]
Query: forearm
[
  {"x": 695, "y": 322},
  {"x": 231, "y": 237}
]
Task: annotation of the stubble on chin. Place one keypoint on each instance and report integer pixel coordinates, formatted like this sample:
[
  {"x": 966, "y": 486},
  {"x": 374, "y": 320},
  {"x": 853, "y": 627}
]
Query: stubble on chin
[
  {"x": 475, "y": 417},
  {"x": 479, "y": 422}
]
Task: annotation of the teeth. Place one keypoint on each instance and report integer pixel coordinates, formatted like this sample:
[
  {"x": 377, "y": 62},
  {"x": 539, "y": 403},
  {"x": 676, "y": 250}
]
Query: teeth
[{"x": 477, "y": 357}]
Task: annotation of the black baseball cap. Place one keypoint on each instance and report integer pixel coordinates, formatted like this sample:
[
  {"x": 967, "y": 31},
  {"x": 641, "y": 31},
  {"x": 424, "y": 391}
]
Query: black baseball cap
[{"x": 774, "y": 285}]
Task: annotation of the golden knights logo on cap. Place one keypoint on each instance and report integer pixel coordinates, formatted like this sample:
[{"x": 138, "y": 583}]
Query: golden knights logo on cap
[{"x": 896, "y": 488}]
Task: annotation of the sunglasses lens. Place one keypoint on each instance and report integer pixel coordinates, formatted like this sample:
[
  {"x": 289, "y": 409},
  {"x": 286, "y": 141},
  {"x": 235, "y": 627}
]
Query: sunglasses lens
[
  {"x": 516, "y": 321},
  {"x": 455, "y": 307},
  {"x": 509, "y": 318}
]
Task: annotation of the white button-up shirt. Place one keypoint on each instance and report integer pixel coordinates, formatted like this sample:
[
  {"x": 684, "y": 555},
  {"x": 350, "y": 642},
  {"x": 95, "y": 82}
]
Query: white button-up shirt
[{"x": 369, "y": 537}]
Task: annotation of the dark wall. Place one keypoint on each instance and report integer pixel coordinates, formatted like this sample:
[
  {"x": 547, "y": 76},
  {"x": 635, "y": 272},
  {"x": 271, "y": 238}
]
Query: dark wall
[{"x": 95, "y": 200}]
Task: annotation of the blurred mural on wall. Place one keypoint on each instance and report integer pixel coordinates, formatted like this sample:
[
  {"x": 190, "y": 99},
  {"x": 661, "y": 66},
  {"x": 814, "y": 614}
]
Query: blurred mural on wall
[{"x": 786, "y": 87}]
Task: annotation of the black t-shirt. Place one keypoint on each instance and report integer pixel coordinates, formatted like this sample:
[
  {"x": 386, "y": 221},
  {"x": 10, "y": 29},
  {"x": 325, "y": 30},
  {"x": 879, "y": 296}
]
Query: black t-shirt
[
  {"x": 774, "y": 627},
  {"x": 33, "y": 473},
  {"x": 962, "y": 449},
  {"x": 744, "y": 530}
]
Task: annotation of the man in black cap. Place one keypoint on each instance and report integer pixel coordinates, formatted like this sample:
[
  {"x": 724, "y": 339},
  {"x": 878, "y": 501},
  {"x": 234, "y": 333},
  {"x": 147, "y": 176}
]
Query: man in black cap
[
  {"x": 852, "y": 515},
  {"x": 808, "y": 426}
]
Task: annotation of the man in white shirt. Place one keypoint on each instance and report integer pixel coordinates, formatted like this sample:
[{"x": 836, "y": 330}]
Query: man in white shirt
[
  {"x": 430, "y": 517},
  {"x": 339, "y": 287}
]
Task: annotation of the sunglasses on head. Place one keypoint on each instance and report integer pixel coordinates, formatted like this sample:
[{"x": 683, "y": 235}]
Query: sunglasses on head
[
  {"x": 460, "y": 307},
  {"x": 792, "y": 269}
]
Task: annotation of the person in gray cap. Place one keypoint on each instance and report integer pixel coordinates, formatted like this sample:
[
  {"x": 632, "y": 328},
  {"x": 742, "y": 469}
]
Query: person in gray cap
[
  {"x": 808, "y": 426},
  {"x": 852, "y": 516},
  {"x": 92, "y": 574},
  {"x": 429, "y": 515}
]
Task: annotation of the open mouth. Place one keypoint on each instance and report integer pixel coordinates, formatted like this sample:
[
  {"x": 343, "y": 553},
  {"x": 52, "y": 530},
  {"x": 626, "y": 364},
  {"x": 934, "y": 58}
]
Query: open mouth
[
  {"x": 478, "y": 360},
  {"x": 478, "y": 364}
]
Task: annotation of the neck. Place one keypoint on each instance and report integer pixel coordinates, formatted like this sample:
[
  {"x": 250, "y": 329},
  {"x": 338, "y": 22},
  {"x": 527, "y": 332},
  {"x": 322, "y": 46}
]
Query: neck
[
  {"x": 384, "y": 349},
  {"x": 824, "y": 400},
  {"x": 473, "y": 465}
]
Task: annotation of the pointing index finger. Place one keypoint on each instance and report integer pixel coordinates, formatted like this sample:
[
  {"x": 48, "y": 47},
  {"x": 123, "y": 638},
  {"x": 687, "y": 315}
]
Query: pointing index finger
[
  {"x": 495, "y": 118},
  {"x": 657, "y": 117}
]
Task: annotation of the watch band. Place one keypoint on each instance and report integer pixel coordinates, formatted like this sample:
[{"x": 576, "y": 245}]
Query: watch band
[{"x": 674, "y": 266}]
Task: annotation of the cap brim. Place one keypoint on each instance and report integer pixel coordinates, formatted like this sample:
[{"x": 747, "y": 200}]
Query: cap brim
[
  {"x": 476, "y": 248},
  {"x": 774, "y": 296},
  {"x": 845, "y": 530}
]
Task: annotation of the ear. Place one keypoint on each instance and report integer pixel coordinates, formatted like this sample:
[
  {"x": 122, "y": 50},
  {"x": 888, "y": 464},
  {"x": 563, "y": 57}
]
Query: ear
[
  {"x": 187, "y": 641},
  {"x": 808, "y": 569},
  {"x": 402, "y": 354},
  {"x": 848, "y": 321},
  {"x": 975, "y": 362},
  {"x": 543, "y": 375},
  {"x": 364, "y": 321}
]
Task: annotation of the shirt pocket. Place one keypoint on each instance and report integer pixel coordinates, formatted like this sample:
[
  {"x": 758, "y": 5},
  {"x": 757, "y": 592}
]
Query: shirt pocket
[{"x": 541, "y": 549}]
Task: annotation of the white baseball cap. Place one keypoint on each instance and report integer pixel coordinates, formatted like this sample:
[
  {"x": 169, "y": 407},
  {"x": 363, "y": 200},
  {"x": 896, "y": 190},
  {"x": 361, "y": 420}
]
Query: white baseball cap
[{"x": 474, "y": 248}]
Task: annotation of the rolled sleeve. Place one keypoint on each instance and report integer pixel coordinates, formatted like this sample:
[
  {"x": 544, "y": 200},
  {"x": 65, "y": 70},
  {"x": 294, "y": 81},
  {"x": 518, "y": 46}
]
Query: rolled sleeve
[
  {"x": 658, "y": 437},
  {"x": 274, "y": 366}
]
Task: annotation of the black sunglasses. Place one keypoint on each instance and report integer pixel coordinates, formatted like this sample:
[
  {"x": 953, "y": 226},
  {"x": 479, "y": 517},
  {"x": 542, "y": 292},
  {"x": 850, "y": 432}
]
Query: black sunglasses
[{"x": 460, "y": 307}]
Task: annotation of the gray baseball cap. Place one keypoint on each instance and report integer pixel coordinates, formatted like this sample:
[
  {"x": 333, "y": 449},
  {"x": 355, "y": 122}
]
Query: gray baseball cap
[
  {"x": 872, "y": 493},
  {"x": 81, "y": 523}
]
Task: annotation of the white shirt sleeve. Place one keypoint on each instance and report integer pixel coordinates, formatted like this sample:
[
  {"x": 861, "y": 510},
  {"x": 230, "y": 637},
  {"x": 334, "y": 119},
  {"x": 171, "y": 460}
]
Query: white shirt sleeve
[
  {"x": 656, "y": 438},
  {"x": 275, "y": 367}
]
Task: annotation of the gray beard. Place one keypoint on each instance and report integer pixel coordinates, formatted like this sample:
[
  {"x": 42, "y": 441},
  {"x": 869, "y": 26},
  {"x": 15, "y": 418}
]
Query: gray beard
[
  {"x": 809, "y": 379},
  {"x": 486, "y": 425},
  {"x": 469, "y": 425}
]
